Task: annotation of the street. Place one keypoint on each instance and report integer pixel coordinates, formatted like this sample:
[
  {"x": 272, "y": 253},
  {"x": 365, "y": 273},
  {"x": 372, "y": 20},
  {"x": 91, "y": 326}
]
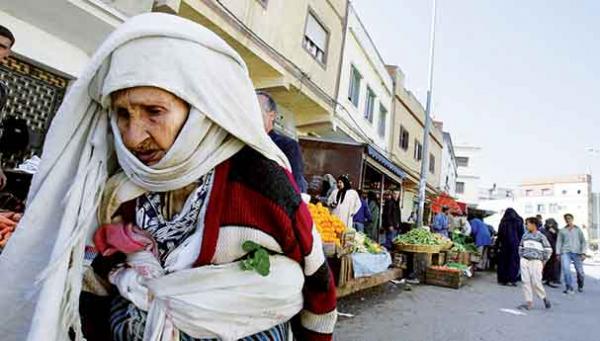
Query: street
[{"x": 473, "y": 313}]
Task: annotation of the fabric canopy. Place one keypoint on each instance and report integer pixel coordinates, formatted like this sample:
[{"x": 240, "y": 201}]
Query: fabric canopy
[{"x": 445, "y": 200}]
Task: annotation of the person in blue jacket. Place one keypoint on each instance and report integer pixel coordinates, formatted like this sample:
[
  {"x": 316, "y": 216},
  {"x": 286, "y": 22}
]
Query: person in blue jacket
[{"x": 482, "y": 238}]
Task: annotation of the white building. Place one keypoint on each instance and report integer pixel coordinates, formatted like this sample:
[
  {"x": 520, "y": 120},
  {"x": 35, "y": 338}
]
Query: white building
[
  {"x": 554, "y": 197},
  {"x": 468, "y": 179},
  {"x": 448, "y": 173},
  {"x": 365, "y": 88}
]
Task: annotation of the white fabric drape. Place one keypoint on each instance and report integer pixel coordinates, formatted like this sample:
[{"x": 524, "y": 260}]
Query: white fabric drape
[{"x": 42, "y": 264}]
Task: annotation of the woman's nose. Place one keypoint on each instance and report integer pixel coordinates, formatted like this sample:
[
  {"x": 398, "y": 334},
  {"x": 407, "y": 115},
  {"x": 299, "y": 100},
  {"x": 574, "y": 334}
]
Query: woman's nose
[{"x": 135, "y": 133}]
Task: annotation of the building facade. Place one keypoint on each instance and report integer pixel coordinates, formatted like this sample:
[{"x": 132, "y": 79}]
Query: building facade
[
  {"x": 468, "y": 179},
  {"x": 407, "y": 144},
  {"x": 365, "y": 89},
  {"x": 292, "y": 49},
  {"x": 448, "y": 173}
]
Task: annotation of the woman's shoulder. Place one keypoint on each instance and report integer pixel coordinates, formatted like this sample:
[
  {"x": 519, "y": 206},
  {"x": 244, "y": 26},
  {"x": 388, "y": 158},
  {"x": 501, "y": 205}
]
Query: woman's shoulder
[{"x": 253, "y": 170}]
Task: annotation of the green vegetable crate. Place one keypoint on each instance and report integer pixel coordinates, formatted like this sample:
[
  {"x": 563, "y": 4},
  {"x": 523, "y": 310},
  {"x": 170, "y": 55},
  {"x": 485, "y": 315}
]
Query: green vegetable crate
[
  {"x": 417, "y": 248},
  {"x": 447, "y": 279}
]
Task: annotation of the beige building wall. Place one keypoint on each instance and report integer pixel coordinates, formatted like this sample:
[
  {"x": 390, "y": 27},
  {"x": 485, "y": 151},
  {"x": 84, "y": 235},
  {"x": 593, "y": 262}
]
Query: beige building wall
[
  {"x": 410, "y": 115},
  {"x": 269, "y": 36}
]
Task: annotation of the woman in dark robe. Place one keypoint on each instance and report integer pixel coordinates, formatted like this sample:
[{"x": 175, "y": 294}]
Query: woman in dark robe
[
  {"x": 510, "y": 231},
  {"x": 551, "y": 275}
]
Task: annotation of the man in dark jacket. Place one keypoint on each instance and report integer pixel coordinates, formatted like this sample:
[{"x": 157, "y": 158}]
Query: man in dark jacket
[
  {"x": 288, "y": 146},
  {"x": 390, "y": 221}
]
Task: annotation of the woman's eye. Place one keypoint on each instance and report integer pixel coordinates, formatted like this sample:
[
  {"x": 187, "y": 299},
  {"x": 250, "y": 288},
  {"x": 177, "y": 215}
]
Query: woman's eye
[
  {"x": 155, "y": 111},
  {"x": 122, "y": 113}
]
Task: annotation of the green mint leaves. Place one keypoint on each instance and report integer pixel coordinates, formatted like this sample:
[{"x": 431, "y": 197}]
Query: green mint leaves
[{"x": 257, "y": 258}]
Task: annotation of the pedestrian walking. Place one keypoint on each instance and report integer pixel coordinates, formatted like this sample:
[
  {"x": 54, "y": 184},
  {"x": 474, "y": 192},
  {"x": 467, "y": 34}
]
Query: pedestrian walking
[
  {"x": 344, "y": 201},
  {"x": 570, "y": 248},
  {"x": 534, "y": 251},
  {"x": 440, "y": 222},
  {"x": 363, "y": 216},
  {"x": 551, "y": 276},
  {"x": 372, "y": 228},
  {"x": 510, "y": 232}
]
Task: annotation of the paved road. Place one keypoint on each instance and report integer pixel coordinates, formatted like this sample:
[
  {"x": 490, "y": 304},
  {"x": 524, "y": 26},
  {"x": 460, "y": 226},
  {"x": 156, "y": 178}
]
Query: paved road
[{"x": 472, "y": 313}]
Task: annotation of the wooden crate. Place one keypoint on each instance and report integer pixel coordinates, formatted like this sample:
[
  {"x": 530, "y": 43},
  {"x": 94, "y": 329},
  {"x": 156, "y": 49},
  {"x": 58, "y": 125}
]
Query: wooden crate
[
  {"x": 438, "y": 258},
  {"x": 346, "y": 270},
  {"x": 363, "y": 283},
  {"x": 458, "y": 257},
  {"x": 445, "y": 279},
  {"x": 329, "y": 249}
]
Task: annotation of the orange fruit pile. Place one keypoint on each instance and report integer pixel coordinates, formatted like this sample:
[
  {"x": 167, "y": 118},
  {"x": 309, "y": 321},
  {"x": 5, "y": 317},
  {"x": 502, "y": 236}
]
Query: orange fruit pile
[{"x": 329, "y": 226}]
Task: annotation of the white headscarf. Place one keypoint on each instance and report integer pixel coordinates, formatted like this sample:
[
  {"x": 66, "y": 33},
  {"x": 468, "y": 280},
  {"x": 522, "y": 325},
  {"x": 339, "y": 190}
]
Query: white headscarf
[{"x": 42, "y": 267}]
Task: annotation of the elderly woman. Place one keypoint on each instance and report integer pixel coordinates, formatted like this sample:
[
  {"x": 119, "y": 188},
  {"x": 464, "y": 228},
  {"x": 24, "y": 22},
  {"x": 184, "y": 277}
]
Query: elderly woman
[{"x": 160, "y": 211}]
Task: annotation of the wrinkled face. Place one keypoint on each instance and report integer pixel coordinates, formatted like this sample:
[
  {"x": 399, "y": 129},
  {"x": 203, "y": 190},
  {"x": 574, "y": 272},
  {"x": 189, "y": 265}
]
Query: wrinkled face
[
  {"x": 5, "y": 46},
  {"x": 149, "y": 120}
]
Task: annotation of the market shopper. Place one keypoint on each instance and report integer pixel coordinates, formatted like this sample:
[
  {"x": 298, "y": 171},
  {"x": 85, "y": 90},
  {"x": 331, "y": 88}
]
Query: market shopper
[
  {"x": 195, "y": 177},
  {"x": 344, "y": 201},
  {"x": 482, "y": 238},
  {"x": 7, "y": 40},
  {"x": 510, "y": 232},
  {"x": 570, "y": 248},
  {"x": 390, "y": 220},
  {"x": 551, "y": 276},
  {"x": 534, "y": 250},
  {"x": 440, "y": 222},
  {"x": 372, "y": 228},
  {"x": 288, "y": 146},
  {"x": 363, "y": 216}
]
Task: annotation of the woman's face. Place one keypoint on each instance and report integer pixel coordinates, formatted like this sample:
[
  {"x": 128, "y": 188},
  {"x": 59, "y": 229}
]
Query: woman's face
[
  {"x": 340, "y": 184},
  {"x": 149, "y": 120}
]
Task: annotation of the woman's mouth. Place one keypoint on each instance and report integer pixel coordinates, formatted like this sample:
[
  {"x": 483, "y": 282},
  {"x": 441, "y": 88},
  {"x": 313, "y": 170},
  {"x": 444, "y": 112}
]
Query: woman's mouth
[{"x": 149, "y": 157}]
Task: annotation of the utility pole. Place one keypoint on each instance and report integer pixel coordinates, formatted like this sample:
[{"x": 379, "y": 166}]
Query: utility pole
[{"x": 427, "y": 128}]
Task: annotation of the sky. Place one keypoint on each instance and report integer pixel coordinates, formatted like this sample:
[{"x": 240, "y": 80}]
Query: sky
[{"x": 521, "y": 79}]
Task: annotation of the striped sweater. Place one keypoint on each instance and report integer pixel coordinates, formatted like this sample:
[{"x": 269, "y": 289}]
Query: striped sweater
[
  {"x": 535, "y": 246},
  {"x": 253, "y": 198}
]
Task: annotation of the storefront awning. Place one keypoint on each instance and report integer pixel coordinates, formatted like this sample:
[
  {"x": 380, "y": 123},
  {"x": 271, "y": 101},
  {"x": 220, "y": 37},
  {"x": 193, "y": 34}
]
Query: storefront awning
[{"x": 385, "y": 162}]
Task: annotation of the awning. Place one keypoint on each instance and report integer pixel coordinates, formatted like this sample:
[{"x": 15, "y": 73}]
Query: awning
[{"x": 385, "y": 162}]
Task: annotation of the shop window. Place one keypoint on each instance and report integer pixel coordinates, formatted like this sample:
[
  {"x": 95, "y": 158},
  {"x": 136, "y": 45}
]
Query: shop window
[
  {"x": 369, "y": 105},
  {"x": 354, "y": 89},
  {"x": 418, "y": 154},
  {"x": 460, "y": 187},
  {"x": 404, "y": 138},
  {"x": 382, "y": 120},
  {"x": 316, "y": 38},
  {"x": 462, "y": 161},
  {"x": 431, "y": 163}
]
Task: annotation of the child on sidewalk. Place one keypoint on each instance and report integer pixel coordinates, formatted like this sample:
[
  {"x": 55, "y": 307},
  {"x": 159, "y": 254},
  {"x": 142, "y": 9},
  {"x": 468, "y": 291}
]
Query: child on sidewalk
[{"x": 534, "y": 250}]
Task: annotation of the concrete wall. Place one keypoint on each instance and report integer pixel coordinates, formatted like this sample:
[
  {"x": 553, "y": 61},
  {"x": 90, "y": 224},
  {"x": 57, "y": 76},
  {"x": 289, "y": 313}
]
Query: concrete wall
[
  {"x": 449, "y": 171},
  {"x": 468, "y": 175},
  {"x": 361, "y": 53}
]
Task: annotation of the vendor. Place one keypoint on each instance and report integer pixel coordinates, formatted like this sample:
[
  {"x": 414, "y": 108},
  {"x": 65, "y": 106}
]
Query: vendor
[
  {"x": 440, "y": 222},
  {"x": 196, "y": 179},
  {"x": 344, "y": 201}
]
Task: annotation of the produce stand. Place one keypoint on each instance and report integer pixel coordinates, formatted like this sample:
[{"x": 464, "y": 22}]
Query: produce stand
[{"x": 362, "y": 283}]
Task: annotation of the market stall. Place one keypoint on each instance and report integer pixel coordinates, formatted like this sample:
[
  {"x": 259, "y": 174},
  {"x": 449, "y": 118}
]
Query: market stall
[
  {"x": 434, "y": 259},
  {"x": 356, "y": 260}
]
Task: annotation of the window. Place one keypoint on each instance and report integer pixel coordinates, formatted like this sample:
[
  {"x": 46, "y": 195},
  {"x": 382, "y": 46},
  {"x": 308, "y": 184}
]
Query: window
[
  {"x": 546, "y": 192},
  {"x": 462, "y": 161},
  {"x": 460, "y": 187},
  {"x": 431, "y": 163},
  {"x": 578, "y": 191},
  {"x": 418, "y": 154},
  {"x": 315, "y": 38},
  {"x": 528, "y": 208},
  {"x": 354, "y": 90},
  {"x": 403, "y": 138},
  {"x": 263, "y": 3},
  {"x": 564, "y": 192},
  {"x": 541, "y": 208},
  {"x": 369, "y": 105},
  {"x": 529, "y": 193},
  {"x": 553, "y": 208},
  {"x": 382, "y": 120}
]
